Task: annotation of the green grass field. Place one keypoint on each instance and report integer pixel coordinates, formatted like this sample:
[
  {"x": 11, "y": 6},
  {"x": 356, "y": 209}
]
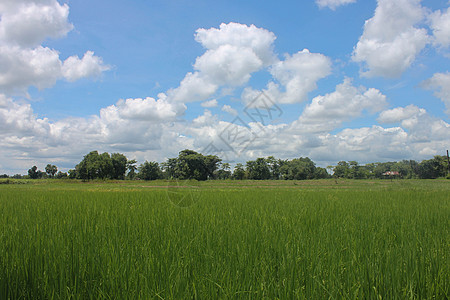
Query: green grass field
[{"x": 225, "y": 239}]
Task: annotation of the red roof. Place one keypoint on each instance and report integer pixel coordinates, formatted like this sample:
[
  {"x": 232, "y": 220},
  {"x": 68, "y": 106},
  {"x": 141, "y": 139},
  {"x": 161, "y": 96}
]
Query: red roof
[{"x": 391, "y": 173}]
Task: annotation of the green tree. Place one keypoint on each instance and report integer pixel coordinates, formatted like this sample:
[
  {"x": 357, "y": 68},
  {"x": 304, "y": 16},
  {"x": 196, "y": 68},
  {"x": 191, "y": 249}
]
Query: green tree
[
  {"x": 149, "y": 171},
  {"x": 432, "y": 168},
  {"x": 321, "y": 173},
  {"x": 34, "y": 173},
  {"x": 224, "y": 172},
  {"x": 131, "y": 167},
  {"x": 61, "y": 175},
  {"x": 169, "y": 168},
  {"x": 192, "y": 165},
  {"x": 258, "y": 169},
  {"x": 95, "y": 166},
  {"x": 274, "y": 167},
  {"x": 299, "y": 169},
  {"x": 239, "y": 172},
  {"x": 355, "y": 171},
  {"x": 341, "y": 170},
  {"x": 72, "y": 174},
  {"x": 51, "y": 170},
  {"x": 212, "y": 163},
  {"x": 119, "y": 163}
]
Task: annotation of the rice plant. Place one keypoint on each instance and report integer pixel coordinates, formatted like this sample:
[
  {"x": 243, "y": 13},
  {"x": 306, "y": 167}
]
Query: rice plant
[{"x": 101, "y": 241}]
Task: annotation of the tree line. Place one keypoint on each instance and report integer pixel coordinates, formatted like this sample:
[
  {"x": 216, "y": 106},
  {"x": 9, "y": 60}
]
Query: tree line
[{"x": 193, "y": 165}]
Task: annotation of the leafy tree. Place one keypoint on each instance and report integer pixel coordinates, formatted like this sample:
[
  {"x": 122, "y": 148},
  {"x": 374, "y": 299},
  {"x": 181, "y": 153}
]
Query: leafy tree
[
  {"x": 34, "y": 173},
  {"x": 72, "y": 174},
  {"x": 274, "y": 167},
  {"x": 239, "y": 172},
  {"x": 299, "y": 169},
  {"x": 105, "y": 166},
  {"x": 94, "y": 166},
  {"x": 191, "y": 165},
  {"x": 87, "y": 168},
  {"x": 432, "y": 168},
  {"x": 341, "y": 170},
  {"x": 61, "y": 175},
  {"x": 258, "y": 169},
  {"x": 224, "y": 172},
  {"x": 321, "y": 173},
  {"x": 355, "y": 171},
  {"x": 212, "y": 163},
  {"x": 51, "y": 170},
  {"x": 169, "y": 168},
  {"x": 149, "y": 171},
  {"x": 131, "y": 167},
  {"x": 119, "y": 164}
]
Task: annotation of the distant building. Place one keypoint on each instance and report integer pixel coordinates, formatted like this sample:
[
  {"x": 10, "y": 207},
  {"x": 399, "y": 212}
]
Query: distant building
[{"x": 391, "y": 173}]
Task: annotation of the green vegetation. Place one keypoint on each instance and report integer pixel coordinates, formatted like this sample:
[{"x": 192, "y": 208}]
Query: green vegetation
[{"x": 236, "y": 239}]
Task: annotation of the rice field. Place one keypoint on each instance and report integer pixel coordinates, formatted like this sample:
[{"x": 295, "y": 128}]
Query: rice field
[{"x": 225, "y": 240}]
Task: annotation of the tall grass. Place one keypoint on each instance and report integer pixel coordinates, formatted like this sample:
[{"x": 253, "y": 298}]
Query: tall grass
[{"x": 238, "y": 243}]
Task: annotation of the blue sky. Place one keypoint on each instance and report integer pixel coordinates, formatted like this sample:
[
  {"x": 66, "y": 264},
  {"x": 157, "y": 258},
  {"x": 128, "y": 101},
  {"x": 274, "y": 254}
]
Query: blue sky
[{"x": 352, "y": 79}]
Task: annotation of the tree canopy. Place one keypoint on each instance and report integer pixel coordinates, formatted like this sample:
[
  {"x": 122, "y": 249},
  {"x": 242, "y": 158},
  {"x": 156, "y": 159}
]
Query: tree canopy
[{"x": 193, "y": 165}]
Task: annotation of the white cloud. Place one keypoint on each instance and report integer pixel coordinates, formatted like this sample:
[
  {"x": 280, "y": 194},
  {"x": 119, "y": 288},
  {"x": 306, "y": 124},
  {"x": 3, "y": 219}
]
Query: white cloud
[
  {"x": 229, "y": 109},
  {"x": 147, "y": 109},
  {"x": 422, "y": 128},
  {"x": 440, "y": 24},
  {"x": 391, "y": 42},
  {"x": 333, "y": 4},
  {"x": 24, "y": 25},
  {"x": 298, "y": 75},
  {"x": 150, "y": 129},
  {"x": 367, "y": 144},
  {"x": 401, "y": 114},
  {"x": 194, "y": 87},
  {"x": 21, "y": 68},
  {"x": 210, "y": 103},
  {"x": 441, "y": 83},
  {"x": 131, "y": 125},
  {"x": 90, "y": 65},
  {"x": 259, "y": 40},
  {"x": 29, "y": 23},
  {"x": 328, "y": 112},
  {"x": 233, "y": 53},
  {"x": 229, "y": 65}
]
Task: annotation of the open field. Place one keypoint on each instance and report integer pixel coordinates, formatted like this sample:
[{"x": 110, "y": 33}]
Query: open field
[{"x": 320, "y": 239}]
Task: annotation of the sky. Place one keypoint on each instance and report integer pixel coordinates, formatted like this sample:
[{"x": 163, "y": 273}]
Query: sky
[{"x": 327, "y": 79}]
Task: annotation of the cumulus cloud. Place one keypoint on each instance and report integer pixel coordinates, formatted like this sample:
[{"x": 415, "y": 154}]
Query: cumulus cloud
[
  {"x": 24, "y": 62},
  {"x": 90, "y": 65},
  {"x": 233, "y": 52},
  {"x": 210, "y": 103},
  {"x": 147, "y": 109},
  {"x": 230, "y": 110},
  {"x": 366, "y": 144},
  {"x": 401, "y": 114},
  {"x": 440, "y": 24},
  {"x": 390, "y": 41},
  {"x": 333, "y": 4},
  {"x": 21, "y": 68},
  {"x": 441, "y": 83},
  {"x": 259, "y": 40},
  {"x": 297, "y": 74},
  {"x": 29, "y": 23},
  {"x": 424, "y": 130},
  {"x": 228, "y": 64},
  {"x": 328, "y": 112},
  {"x": 129, "y": 125},
  {"x": 193, "y": 87}
]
